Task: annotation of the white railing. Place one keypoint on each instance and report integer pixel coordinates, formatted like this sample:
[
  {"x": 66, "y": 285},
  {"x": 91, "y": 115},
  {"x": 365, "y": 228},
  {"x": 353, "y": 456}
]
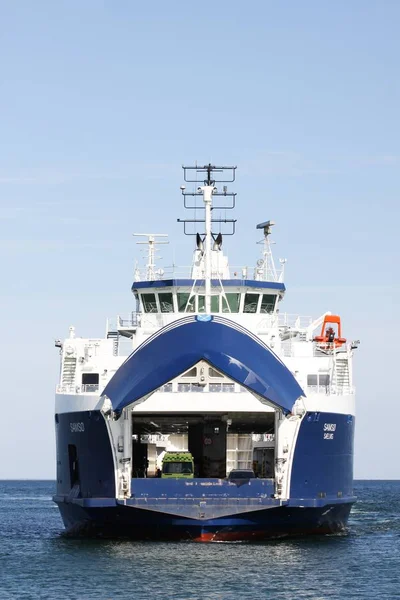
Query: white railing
[
  {"x": 330, "y": 390},
  {"x": 153, "y": 438},
  {"x": 132, "y": 320},
  {"x": 165, "y": 388},
  {"x": 190, "y": 387},
  {"x": 185, "y": 272},
  {"x": 318, "y": 350},
  {"x": 268, "y": 320},
  {"x": 88, "y": 388},
  {"x": 263, "y": 437},
  {"x": 196, "y": 387},
  {"x": 295, "y": 321},
  {"x": 221, "y": 387}
]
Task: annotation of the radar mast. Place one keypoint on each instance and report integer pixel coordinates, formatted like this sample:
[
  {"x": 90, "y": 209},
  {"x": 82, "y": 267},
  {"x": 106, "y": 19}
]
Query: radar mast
[
  {"x": 266, "y": 269},
  {"x": 207, "y": 191},
  {"x": 151, "y": 251}
]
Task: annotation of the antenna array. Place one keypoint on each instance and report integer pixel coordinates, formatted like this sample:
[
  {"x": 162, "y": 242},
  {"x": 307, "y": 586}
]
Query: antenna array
[{"x": 228, "y": 176}]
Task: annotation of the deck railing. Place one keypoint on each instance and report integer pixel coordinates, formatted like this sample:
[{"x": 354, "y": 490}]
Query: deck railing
[
  {"x": 294, "y": 321},
  {"x": 132, "y": 320},
  {"x": 267, "y": 320},
  {"x": 87, "y": 388},
  {"x": 330, "y": 390},
  {"x": 185, "y": 272},
  {"x": 93, "y": 388}
]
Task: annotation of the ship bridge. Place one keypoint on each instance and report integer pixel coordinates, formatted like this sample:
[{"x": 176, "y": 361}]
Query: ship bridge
[
  {"x": 210, "y": 285},
  {"x": 228, "y": 296}
]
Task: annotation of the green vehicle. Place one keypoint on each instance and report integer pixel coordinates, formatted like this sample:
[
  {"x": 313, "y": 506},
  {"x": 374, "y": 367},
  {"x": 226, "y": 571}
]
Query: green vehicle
[{"x": 178, "y": 465}]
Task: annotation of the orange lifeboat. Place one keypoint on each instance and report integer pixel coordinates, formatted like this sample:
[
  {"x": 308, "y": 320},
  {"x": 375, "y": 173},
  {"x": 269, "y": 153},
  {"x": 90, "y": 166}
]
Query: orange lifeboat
[{"x": 330, "y": 335}]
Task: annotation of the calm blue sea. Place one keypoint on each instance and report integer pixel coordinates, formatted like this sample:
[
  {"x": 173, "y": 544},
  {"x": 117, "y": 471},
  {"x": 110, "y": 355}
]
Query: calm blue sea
[{"x": 36, "y": 561}]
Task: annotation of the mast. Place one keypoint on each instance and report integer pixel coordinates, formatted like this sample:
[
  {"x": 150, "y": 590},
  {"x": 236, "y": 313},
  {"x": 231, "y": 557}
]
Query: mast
[
  {"x": 151, "y": 251},
  {"x": 267, "y": 263},
  {"x": 207, "y": 191},
  {"x": 207, "y": 199}
]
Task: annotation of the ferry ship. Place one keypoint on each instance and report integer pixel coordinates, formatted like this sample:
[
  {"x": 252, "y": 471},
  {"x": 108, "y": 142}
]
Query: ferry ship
[{"x": 207, "y": 364}]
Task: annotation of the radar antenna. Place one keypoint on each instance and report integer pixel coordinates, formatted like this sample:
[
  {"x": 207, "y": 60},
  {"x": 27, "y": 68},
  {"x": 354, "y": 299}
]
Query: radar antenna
[{"x": 266, "y": 266}]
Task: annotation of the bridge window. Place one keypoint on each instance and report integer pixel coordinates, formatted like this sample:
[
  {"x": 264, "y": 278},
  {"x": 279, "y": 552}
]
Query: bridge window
[
  {"x": 166, "y": 302},
  {"x": 149, "y": 303},
  {"x": 201, "y": 304},
  {"x": 250, "y": 303},
  {"x": 268, "y": 303},
  {"x": 214, "y": 304},
  {"x": 184, "y": 303},
  {"x": 231, "y": 304}
]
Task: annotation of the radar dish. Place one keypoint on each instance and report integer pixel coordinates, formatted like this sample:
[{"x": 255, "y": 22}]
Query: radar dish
[{"x": 265, "y": 225}]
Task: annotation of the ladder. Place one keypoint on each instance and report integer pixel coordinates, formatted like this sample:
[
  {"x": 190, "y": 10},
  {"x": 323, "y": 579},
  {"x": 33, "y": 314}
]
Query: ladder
[
  {"x": 342, "y": 376},
  {"x": 114, "y": 336},
  {"x": 68, "y": 372}
]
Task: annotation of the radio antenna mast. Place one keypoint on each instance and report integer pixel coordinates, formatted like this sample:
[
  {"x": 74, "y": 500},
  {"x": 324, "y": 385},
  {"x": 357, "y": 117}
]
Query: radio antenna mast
[
  {"x": 151, "y": 251},
  {"x": 207, "y": 191}
]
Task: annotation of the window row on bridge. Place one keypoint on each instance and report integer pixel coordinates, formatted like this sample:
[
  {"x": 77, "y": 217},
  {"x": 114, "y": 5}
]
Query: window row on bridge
[{"x": 185, "y": 302}]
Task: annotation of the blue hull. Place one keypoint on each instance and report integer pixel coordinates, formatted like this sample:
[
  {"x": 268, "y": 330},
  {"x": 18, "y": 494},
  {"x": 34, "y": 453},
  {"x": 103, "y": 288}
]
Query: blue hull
[
  {"x": 321, "y": 490},
  {"x": 129, "y": 522}
]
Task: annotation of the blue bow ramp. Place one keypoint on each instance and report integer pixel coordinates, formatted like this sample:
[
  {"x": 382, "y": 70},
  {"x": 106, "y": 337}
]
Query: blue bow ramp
[{"x": 225, "y": 345}]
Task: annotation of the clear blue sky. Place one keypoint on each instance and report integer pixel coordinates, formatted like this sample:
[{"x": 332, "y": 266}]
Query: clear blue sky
[{"x": 100, "y": 104}]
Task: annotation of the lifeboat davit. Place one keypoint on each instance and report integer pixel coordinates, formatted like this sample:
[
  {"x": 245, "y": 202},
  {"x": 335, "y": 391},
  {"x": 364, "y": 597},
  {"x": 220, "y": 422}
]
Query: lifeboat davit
[{"x": 330, "y": 336}]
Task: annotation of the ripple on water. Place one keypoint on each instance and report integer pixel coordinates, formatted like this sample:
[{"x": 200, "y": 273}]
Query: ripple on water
[{"x": 37, "y": 562}]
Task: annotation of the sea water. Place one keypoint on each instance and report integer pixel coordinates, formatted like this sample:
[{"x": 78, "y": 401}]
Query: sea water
[{"x": 37, "y": 561}]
